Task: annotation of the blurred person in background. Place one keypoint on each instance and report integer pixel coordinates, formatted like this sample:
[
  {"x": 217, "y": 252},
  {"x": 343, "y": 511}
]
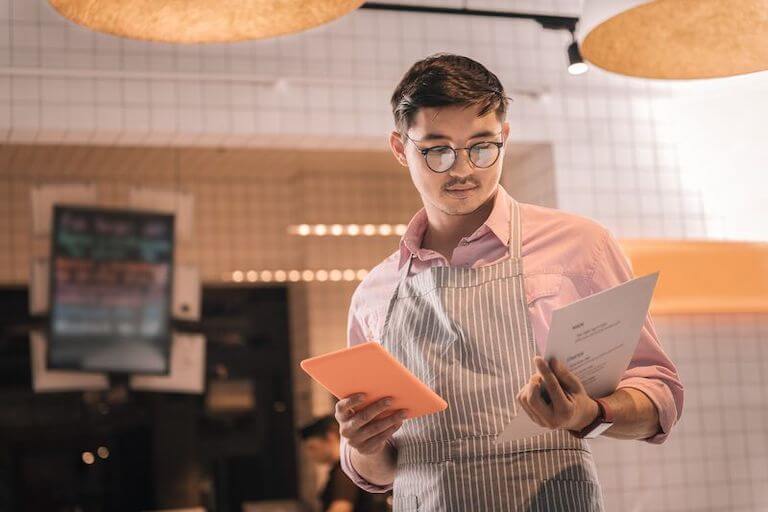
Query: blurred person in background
[{"x": 321, "y": 441}]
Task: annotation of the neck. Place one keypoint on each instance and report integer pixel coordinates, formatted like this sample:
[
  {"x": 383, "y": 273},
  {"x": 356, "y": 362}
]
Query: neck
[{"x": 444, "y": 232}]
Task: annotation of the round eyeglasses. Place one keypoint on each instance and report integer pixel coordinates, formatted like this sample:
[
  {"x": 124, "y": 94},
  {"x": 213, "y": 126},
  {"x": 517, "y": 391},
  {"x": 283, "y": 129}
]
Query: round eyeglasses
[{"x": 441, "y": 158}]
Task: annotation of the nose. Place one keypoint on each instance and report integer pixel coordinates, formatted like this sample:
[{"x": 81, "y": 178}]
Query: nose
[{"x": 462, "y": 167}]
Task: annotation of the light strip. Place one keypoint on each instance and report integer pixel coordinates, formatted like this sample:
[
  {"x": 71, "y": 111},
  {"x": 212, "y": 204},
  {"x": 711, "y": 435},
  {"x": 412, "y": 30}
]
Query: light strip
[
  {"x": 294, "y": 276},
  {"x": 347, "y": 229}
]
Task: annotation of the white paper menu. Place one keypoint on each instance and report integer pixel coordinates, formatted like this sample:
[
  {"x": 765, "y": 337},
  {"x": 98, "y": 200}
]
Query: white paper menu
[{"x": 595, "y": 337}]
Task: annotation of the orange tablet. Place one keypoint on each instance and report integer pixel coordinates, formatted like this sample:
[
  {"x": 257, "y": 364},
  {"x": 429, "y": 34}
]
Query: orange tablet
[{"x": 368, "y": 368}]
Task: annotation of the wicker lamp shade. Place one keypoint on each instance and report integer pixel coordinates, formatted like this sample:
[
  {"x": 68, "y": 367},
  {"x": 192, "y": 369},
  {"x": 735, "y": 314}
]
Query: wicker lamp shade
[
  {"x": 676, "y": 39},
  {"x": 202, "y": 21}
]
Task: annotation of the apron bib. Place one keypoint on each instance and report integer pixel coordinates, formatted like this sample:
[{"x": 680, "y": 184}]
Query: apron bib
[{"x": 465, "y": 333}]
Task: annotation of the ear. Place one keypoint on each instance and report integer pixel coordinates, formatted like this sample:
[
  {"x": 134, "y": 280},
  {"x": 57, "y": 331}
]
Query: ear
[
  {"x": 397, "y": 147},
  {"x": 505, "y": 131}
]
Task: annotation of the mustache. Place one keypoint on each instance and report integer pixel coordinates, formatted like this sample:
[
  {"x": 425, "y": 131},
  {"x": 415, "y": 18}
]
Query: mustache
[{"x": 455, "y": 182}]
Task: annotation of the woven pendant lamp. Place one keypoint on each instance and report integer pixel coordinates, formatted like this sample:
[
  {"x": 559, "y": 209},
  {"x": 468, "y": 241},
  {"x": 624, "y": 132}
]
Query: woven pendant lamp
[
  {"x": 202, "y": 21},
  {"x": 675, "y": 39}
]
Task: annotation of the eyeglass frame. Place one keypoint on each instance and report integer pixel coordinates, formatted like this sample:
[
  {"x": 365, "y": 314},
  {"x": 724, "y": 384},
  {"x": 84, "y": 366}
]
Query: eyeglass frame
[{"x": 424, "y": 152}]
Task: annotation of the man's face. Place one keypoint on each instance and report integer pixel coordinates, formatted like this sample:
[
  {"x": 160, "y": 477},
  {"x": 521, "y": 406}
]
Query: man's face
[
  {"x": 463, "y": 188},
  {"x": 319, "y": 449}
]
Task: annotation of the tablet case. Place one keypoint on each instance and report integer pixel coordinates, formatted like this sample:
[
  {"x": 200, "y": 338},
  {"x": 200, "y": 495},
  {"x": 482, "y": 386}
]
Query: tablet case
[{"x": 368, "y": 368}]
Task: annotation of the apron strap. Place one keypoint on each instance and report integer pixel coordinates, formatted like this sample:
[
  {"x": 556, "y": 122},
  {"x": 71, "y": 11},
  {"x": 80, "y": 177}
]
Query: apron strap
[
  {"x": 515, "y": 229},
  {"x": 406, "y": 270},
  {"x": 403, "y": 275}
]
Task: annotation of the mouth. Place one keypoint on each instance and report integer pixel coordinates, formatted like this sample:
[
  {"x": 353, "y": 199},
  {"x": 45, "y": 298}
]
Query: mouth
[{"x": 461, "y": 190}]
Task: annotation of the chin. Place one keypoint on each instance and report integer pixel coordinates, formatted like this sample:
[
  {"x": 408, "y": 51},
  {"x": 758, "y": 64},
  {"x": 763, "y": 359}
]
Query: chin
[
  {"x": 462, "y": 204},
  {"x": 459, "y": 207}
]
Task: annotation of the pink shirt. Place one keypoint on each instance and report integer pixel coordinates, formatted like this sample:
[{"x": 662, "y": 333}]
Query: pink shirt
[{"x": 565, "y": 257}]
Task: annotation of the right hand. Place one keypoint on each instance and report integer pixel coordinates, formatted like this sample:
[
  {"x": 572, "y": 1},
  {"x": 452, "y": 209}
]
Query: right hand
[{"x": 364, "y": 431}]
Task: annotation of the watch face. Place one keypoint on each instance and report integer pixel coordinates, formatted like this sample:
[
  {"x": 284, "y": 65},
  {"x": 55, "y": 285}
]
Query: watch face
[{"x": 599, "y": 429}]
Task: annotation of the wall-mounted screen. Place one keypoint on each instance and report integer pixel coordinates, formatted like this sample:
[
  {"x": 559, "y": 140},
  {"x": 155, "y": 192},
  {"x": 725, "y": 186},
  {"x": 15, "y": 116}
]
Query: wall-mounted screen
[{"x": 111, "y": 280}]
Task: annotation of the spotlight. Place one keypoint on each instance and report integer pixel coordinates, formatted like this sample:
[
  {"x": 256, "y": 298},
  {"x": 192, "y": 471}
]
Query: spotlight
[{"x": 576, "y": 64}]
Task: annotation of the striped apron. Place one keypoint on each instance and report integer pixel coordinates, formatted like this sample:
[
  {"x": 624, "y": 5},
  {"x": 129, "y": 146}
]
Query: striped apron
[{"x": 465, "y": 333}]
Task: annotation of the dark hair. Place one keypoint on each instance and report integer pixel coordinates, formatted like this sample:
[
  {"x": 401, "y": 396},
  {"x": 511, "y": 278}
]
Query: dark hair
[
  {"x": 444, "y": 79},
  {"x": 319, "y": 428}
]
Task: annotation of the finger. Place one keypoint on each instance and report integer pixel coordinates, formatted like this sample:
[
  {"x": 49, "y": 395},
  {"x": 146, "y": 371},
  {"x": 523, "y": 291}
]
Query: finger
[
  {"x": 377, "y": 442},
  {"x": 376, "y": 427},
  {"x": 535, "y": 417},
  {"x": 345, "y": 406},
  {"x": 553, "y": 387},
  {"x": 545, "y": 396},
  {"x": 567, "y": 377},
  {"x": 536, "y": 403},
  {"x": 524, "y": 400},
  {"x": 350, "y": 401},
  {"x": 369, "y": 413},
  {"x": 527, "y": 389}
]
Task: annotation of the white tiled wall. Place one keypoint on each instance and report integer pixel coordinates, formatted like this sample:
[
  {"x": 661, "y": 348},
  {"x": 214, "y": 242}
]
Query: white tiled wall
[
  {"x": 647, "y": 159},
  {"x": 717, "y": 459},
  {"x": 626, "y": 150}
]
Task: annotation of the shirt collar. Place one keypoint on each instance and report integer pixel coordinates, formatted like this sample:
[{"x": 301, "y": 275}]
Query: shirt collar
[{"x": 497, "y": 223}]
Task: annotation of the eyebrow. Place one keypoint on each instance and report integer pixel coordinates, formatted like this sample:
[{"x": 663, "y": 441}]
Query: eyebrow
[{"x": 435, "y": 136}]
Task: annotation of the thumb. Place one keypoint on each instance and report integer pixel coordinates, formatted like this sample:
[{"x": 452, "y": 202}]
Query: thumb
[{"x": 566, "y": 377}]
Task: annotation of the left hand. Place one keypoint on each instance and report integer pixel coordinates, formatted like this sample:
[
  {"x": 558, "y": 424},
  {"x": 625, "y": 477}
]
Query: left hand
[{"x": 571, "y": 407}]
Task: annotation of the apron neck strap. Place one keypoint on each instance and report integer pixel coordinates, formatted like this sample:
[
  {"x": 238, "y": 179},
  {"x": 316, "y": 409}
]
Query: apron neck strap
[
  {"x": 515, "y": 230},
  {"x": 405, "y": 270}
]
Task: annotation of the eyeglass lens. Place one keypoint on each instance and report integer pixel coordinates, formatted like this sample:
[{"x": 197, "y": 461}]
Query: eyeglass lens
[{"x": 481, "y": 155}]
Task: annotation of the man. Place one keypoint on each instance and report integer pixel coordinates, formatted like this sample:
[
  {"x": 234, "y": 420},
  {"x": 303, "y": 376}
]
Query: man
[
  {"x": 340, "y": 494},
  {"x": 465, "y": 304}
]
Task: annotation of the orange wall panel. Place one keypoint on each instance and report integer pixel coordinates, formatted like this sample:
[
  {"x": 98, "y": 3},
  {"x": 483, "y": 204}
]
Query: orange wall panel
[{"x": 703, "y": 276}]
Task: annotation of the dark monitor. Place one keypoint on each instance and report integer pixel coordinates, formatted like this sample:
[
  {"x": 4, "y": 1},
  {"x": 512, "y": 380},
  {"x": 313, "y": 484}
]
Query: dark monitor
[{"x": 110, "y": 290}]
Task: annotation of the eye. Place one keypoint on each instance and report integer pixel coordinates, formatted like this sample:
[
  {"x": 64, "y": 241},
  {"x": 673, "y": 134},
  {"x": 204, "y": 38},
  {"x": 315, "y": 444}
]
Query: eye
[
  {"x": 484, "y": 154},
  {"x": 440, "y": 150}
]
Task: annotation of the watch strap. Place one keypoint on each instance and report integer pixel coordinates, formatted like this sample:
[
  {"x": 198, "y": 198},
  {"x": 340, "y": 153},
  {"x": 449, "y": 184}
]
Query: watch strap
[
  {"x": 607, "y": 412},
  {"x": 600, "y": 424}
]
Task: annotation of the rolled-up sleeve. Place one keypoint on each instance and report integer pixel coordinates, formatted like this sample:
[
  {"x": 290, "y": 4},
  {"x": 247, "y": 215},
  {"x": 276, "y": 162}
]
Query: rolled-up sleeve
[
  {"x": 355, "y": 336},
  {"x": 349, "y": 469},
  {"x": 650, "y": 371}
]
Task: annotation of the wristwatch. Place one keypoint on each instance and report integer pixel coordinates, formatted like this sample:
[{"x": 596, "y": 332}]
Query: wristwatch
[{"x": 603, "y": 422}]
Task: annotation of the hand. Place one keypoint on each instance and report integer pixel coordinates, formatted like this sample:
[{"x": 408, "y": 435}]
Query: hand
[
  {"x": 364, "y": 429},
  {"x": 570, "y": 407}
]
